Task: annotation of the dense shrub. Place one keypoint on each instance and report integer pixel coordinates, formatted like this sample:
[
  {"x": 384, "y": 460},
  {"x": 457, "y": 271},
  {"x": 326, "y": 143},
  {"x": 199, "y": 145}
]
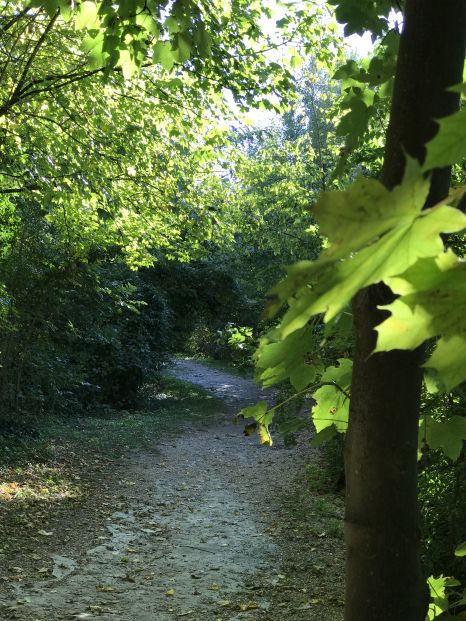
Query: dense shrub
[{"x": 74, "y": 332}]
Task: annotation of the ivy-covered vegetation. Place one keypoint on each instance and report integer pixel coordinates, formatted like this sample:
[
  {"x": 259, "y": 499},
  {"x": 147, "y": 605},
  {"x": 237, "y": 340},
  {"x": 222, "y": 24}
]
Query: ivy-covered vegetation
[{"x": 143, "y": 216}]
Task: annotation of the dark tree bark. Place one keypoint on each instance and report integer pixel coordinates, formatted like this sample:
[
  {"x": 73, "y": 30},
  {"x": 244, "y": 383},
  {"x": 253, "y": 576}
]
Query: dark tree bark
[{"x": 384, "y": 577}]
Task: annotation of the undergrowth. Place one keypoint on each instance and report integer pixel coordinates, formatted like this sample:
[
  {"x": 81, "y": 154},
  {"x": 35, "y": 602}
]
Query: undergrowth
[
  {"x": 38, "y": 461},
  {"x": 169, "y": 409}
]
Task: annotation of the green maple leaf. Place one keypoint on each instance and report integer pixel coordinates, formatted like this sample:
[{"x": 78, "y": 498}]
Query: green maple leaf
[
  {"x": 448, "y": 146},
  {"x": 262, "y": 417},
  {"x": 431, "y": 303},
  {"x": 353, "y": 218},
  {"x": 285, "y": 359},
  {"x": 87, "y": 15},
  {"x": 374, "y": 235},
  {"x": 461, "y": 549},
  {"x": 257, "y": 411},
  {"x": 361, "y": 15},
  {"x": 448, "y": 361},
  {"x": 447, "y": 435},
  {"x": 164, "y": 55},
  {"x": 301, "y": 376},
  {"x": 332, "y": 408},
  {"x": 354, "y": 123},
  {"x": 332, "y": 399},
  {"x": 439, "y": 600}
]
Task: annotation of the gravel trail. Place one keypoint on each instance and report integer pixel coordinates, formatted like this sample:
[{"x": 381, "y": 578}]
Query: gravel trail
[{"x": 191, "y": 531}]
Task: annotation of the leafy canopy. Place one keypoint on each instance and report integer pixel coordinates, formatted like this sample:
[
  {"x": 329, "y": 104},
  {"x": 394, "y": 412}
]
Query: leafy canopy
[{"x": 373, "y": 235}]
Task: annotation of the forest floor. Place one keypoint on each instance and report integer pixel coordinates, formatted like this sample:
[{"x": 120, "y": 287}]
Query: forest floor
[{"x": 197, "y": 522}]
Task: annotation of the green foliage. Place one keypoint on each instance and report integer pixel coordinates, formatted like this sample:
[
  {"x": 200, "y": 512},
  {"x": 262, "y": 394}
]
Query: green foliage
[
  {"x": 366, "y": 88},
  {"x": 332, "y": 398},
  {"x": 237, "y": 344},
  {"x": 374, "y": 235},
  {"x": 429, "y": 293},
  {"x": 442, "y": 502},
  {"x": 204, "y": 296},
  {"x": 285, "y": 359},
  {"x": 447, "y": 147},
  {"x": 107, "y": 161},
  {"x": 262, "y": 419},
  {"x": 441, "y": 483},
  {"x": 113, "y": 159},
  {"x": 439, "y": 600},
  {"x": 94, "y": 333},
  {"x": 447, "y": 435},
  {"x": 220, "y": 46},
  {"x": 362, "y": 15},
  {"x": 361, "y": 111},
  {"x": 390, "y": 231},
  {"x": 120, "y": 160},
  {"x": 443, "y": 598}
]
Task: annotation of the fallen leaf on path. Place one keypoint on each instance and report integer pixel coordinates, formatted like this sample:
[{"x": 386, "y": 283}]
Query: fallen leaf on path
[
  {"x": 45, "y": 533},
  {"x": 248, "y": 606},
  {"x": 170, "y": 592},
  {"x": 104, "y": 588},
  {"x": 99, "y": 609},
  {"x": 12, "y": 578}
]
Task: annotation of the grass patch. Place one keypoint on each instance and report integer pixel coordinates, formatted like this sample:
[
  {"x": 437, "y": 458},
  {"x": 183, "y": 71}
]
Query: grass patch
[
  {"x": 54, "y": 472},
  {"x": 326, "y": 473},
  {"x": 36, "y": 482},
  {"x": 316, "y": 504},
  {"x": 32, "y": 455}
]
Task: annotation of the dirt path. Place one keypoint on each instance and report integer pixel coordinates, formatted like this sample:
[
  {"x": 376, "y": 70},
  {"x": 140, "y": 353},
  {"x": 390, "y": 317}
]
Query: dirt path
[
  {"x": 191, "y": 533},
  {"x": 236, "y": 391}
]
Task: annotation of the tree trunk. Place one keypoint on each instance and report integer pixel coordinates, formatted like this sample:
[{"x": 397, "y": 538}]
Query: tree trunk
[{"x": 384, "y": 577}]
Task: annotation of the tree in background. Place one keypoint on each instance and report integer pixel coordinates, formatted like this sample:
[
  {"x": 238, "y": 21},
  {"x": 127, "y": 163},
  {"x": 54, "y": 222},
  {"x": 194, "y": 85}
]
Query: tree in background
[{"x": 109, "y": 118}]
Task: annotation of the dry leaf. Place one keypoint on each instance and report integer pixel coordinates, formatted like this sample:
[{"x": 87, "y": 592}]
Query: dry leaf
[
  {"x": 248, "y": 606},
  {"x": 214, "y": 587},
  {"x": 104, "y": 588}
]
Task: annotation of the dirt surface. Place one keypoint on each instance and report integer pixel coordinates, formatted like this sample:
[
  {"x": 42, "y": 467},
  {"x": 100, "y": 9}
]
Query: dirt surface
[
  {"x": 192, "y": 529},
  {"x": 236, "y": 391}
]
